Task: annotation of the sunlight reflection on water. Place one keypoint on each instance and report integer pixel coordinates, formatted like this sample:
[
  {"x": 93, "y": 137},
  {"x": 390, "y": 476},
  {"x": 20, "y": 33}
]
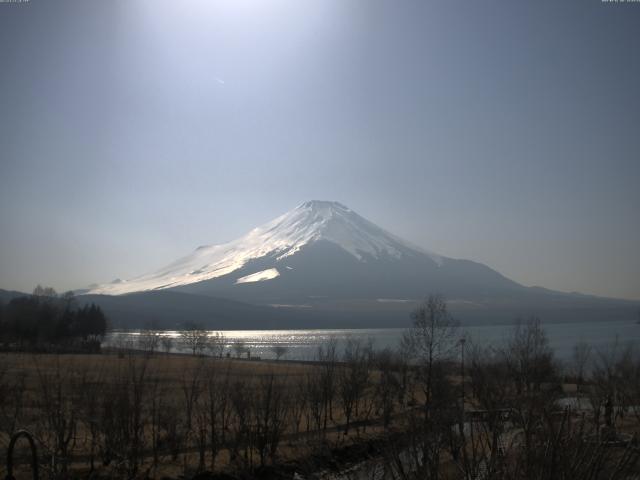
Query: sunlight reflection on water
[{"x": 303, "y": 344}]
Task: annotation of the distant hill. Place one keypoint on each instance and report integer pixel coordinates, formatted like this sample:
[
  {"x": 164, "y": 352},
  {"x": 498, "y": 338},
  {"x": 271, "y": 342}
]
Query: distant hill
[
  {"x": 7, "y": 295},
  {"x": 171, "y": 310}
]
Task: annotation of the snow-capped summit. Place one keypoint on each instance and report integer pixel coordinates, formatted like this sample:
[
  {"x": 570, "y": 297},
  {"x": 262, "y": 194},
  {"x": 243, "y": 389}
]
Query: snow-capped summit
[
  {"x": 331, "y": 221},
  {"x": 308, "y": 223}
]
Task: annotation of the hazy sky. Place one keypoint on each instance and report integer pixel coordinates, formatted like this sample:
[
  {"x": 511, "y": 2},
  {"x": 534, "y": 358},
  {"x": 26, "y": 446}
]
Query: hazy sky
[{"x": 507, "y": 132}]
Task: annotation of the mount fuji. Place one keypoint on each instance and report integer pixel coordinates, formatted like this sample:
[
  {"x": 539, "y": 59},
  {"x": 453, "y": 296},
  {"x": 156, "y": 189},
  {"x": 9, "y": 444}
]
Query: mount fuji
[{"x": 322, "y": 264}]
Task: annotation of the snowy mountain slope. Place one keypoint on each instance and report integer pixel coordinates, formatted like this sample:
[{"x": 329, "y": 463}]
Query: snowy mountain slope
[
  {"x": 283, "y": 237},
  {"x": 322, "y": 273}
]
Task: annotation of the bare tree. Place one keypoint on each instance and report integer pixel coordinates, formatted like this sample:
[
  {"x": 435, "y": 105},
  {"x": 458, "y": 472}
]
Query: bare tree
[
  {"x": 580, "y": 358},
  {"x": 546, "y": 442},
  {"x": 628, "y": 376},
  {"x": 431, "y": 340},
  {"x": 613, "y": 383},
  {"x": 167, "y": 343},
  {"x": 122, "y": 343},
  {"x": 91, "y": 391},
  {"x": 533, "y": 374},
  {"x": 216, "y": 405},
  {"x": 195, "y": 338},
  {"x": 388, "y": 385},
  {"x": 216, "y": 343},
  {"x": 270, "y": 415},
  {"x": 299, "y": 405},
  {"x": 12, "y": 392},
  {"x": 419, "y": 452},
  {"x": 156, "y": 403},
  {"x": 482, "y": 442},
  {"x": 59, "y": 419},
  {"x": 123, "y": 416},
  {"x": 241, "y": 402},
  {"x": 239, "y": 347},
  {"x": 315, "y": 394},
  {"x": 353, "y": 379},
  {"x": 191, "y": 386},
  {"x": 135, "y": 418},
  {"x": 279, "y": 351},
  {"x": 201, "y": 428},
  {"x": 529, "y": 357},
  {"x": 328, "y": 359},
  {"x": 429, "y": 344},
  {"x": 44, "y": 292},
  {"x": 171, "y": 427},
  {"x": 149, "y": 341}
]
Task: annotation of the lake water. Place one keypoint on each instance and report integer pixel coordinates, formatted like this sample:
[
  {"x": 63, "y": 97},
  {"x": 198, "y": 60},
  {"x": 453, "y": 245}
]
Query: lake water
[{"x": 303, "y": 344}]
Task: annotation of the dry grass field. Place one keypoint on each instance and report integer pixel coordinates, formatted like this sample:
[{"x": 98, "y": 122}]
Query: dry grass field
[{"x": 167, "y": 415}]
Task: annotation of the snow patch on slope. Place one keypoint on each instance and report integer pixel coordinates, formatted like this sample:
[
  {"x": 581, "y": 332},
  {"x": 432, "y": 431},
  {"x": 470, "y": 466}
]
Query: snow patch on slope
[{"x": 260, "y": 276}]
